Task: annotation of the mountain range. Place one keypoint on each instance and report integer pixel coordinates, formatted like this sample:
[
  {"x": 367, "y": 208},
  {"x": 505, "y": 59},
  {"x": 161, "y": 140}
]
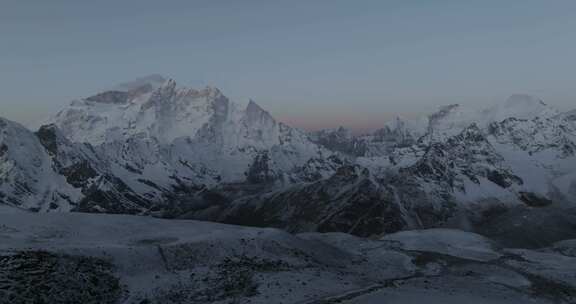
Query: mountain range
[{"x": 150, "y": 147}]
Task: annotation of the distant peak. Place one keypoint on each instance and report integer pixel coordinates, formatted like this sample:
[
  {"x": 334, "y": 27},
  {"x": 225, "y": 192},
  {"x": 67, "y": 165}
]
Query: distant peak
[
  {"x": 520, "y": 106},
  {"x": 523, "y": 100},
  {"x": 169, "y": 83},
  {"x": 449, "y": 107},
  {"x": 444, "y": 111},
  {"x": 399, "y": 122},
  {"x": 253, "y": 107},
  {"x": 110, "y": 97},
  {"x": 7, "y": 123},
  {"x": 254, "y": 112},
  {"x": 168, "y": 87},
  {"x": 153, "y": 80},
  {"x": 3, "y": 122},
  {"x": 212, "y": 91}
]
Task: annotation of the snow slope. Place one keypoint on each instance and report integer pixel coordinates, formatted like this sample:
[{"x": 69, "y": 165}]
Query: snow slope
[
  {"x": 59, "y": 258},
  {"x": 27, "y": 177}
]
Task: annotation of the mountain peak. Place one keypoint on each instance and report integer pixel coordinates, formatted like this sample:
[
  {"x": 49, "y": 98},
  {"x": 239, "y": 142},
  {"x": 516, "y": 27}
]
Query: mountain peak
[
  {"x": 153, "y": 80},
  {"x": 443, "y": 112},
  {"x": 520, "y": 106},
  {"x": 516, "y": 100},
  {"x": 256, "y": 113},
  {"x": 211, "y": 91},
  {"x": 4, "y": 123},
  {"x": 253, "y": 106},
  {"x": 169, "y": 84}
]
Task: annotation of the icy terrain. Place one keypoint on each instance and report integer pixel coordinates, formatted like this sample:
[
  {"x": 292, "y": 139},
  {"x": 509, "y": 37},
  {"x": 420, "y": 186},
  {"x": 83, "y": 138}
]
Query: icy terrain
[{"x": 88, "y": 258}]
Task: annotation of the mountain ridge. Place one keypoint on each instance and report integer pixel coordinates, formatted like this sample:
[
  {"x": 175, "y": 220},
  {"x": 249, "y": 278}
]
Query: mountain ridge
[{"x": 160, "y": 149}]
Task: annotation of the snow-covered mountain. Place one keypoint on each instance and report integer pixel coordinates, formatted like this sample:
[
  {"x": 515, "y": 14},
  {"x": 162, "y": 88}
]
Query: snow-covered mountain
[
  {"x": 152, "y": 147},
  {"x": 147, "y": 143},
  {"x": 395, "y": 134},
  {"x": 185, "y": 126},
  {"x": 519, "y": 152},
  {"x": 27, "y": 176},
  {"x": 463, "y": 174},
  {"x": 447, "y": 121}
]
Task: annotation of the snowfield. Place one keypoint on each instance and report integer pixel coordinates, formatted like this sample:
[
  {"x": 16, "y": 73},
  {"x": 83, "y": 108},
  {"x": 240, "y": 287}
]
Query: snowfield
[{"x": 88, "y": 258}]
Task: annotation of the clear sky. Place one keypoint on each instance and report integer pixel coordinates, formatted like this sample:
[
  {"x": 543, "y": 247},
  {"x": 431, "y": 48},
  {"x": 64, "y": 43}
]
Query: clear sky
[{"x": 310, "y": 63}]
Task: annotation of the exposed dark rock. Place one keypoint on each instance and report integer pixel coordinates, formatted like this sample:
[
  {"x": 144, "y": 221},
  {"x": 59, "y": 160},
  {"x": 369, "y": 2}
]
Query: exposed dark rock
[
  {"x": 3, "y": 150},
  {"x": 259, "y": 171},
  {"x": 534, "y": 200},
  {"x": 79, "y": 174},
  {"x": 350, "y": 201},
  {"x": 48, "y": 138},
  {"x": 503, "y": 180},
  {"x": 42, "y": 277},
  {"x": 468, "y": 154},
  {"x": 108, "y": 194},
  {"x": 114, "y": 97}
]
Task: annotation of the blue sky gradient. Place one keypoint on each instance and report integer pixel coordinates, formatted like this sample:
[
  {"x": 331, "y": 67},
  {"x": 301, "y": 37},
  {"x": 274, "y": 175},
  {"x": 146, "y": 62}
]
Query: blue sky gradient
[{"x": 313, "y": 64}]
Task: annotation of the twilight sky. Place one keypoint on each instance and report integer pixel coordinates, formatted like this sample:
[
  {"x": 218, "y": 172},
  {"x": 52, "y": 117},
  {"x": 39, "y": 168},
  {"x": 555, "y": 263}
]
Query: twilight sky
[{"x": 312, "y": 63}]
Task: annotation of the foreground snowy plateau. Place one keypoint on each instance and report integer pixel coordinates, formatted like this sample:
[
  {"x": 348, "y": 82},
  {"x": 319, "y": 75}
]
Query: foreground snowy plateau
[
  {"x": 144, "y": 193},
  {"x": 101, "y": 258}
]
